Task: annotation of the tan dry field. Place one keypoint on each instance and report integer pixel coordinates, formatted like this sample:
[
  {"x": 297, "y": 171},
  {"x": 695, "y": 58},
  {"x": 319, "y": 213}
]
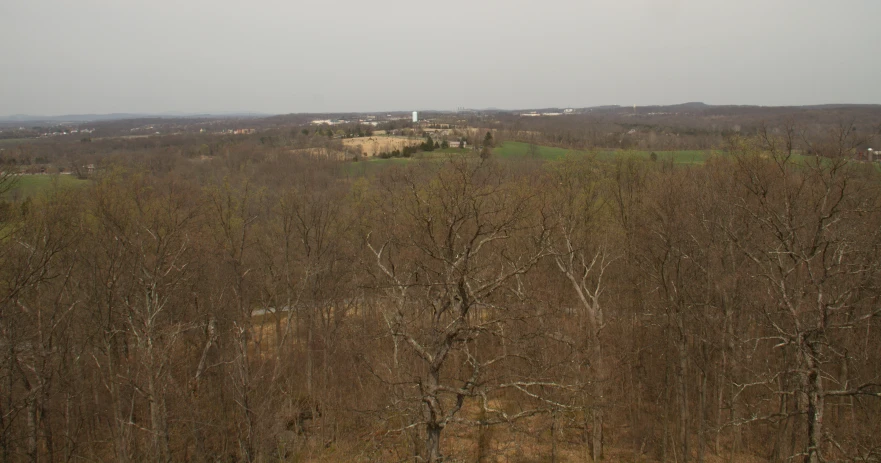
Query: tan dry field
[{"x": 372, "y": 146}]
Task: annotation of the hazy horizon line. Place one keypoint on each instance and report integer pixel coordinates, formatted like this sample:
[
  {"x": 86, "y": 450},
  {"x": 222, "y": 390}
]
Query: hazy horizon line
[{"x": 177, "y": 113}]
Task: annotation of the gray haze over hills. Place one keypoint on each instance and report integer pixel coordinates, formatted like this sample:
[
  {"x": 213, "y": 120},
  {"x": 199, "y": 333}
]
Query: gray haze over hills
[
  {"x": 73, "y": 118},
  {"x": 695, "y": 108},
  {"x": 197, "y": 57}
]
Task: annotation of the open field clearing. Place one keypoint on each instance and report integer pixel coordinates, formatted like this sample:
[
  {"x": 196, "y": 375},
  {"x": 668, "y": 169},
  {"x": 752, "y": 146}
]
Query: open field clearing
[
  {"x": 372, "y": 146},
  {"x": 520, "y": 150},
  {"x": 514, "y": 149},
  {"x": 32, "y": 185}
]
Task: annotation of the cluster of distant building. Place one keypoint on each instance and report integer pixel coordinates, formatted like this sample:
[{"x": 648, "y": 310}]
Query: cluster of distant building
[
  {"x": 329, "y": 122},
  {"x": 367, "y": 120},
  {"x": 66, "y": 132},
  {"x": 869, "y": 154},
  {"x": 538, "y": 114}
]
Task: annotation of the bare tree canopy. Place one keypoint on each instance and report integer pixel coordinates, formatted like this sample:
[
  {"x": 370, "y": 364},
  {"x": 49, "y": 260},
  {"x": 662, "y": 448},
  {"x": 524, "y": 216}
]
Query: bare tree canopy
[{"x": 249, "y": 301}]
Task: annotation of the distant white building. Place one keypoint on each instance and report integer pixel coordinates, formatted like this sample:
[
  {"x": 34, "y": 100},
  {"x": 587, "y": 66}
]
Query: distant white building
[{"x": 415, "y": 116}]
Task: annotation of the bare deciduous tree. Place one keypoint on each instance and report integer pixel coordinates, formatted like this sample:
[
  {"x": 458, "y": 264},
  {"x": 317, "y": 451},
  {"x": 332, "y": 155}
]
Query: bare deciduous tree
[{"x": 454, "y": 240}]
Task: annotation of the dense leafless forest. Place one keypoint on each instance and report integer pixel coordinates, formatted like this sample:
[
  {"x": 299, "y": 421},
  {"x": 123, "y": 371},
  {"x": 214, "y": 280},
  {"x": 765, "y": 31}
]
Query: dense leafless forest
[{"x": 205, "y": 298}]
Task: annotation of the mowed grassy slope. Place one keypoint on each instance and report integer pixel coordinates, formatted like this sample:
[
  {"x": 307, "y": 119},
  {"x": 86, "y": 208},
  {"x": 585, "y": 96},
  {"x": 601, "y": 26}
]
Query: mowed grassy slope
[{"x": 32, "y": 185}]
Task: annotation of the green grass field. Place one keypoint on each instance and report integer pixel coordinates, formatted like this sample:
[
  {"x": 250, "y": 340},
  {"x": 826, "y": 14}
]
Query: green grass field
[
  {"x": 516, "y": 149},
  {"x": 519, "y": 150},
  {"x": 32, "y": 185},
  {"x": 513, "y": 149}
]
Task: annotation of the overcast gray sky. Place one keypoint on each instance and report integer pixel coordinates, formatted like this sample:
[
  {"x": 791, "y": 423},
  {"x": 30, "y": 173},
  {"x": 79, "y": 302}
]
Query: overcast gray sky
[{"x": 102, "y": 56}]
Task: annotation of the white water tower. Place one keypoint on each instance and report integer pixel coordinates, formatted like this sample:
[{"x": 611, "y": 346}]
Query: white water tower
[{"x": 415, "y": 117}]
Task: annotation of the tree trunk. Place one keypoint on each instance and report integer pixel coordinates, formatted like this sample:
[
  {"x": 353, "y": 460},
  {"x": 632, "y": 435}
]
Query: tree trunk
[
  {"x": 484, "y": 440},
  {"x": 246, "y": 441},
  {"x": 158, "y": 422},
  {"x": 7, "y": 399},
  {"x": 665, "y": 441},
  {"x": 32, "y": 429},
  {"x": 432, "y": 443},
  {"x": 433, "y": 427},
  {"x": 814, "y": 411},
  {"x": 599, "y": 398},
  {"x": 682, "y": 379},
  {"x": 309, "y": 362},
  {"x": 597, "y": 434},
  {"x": 701, "y": 441},
  {"x": 720, "y": 404},
  {"x": 119, "y": 426}
]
